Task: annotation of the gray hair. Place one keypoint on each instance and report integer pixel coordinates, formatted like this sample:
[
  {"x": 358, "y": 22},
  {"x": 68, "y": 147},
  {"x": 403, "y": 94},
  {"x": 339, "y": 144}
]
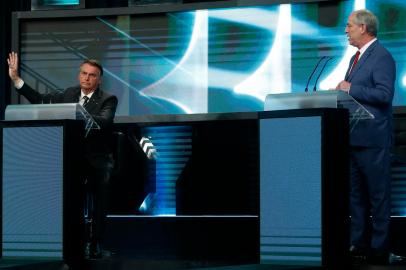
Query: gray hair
[{"x": 367, "y": 18}]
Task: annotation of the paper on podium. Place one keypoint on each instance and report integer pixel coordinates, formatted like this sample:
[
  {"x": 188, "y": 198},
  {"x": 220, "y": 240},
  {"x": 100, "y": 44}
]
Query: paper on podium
[
  {"x": 320, "y": 99},
  {"x": 51, "y": 112}
]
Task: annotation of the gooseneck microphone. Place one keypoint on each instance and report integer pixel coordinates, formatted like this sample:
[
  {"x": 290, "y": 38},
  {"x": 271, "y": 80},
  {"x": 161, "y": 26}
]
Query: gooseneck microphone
[
  {"x": 321, "y": 71},
  {"x": 311, "y": 75}
]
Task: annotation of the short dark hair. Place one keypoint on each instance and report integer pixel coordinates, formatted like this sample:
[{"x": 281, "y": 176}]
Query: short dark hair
[{"x": 94, "y": 63}]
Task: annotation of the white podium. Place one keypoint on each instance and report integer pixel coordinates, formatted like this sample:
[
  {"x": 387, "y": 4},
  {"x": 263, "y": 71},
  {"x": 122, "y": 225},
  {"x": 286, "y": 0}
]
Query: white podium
[
  {"x": 321, "y": 99},
  {"x": 55, "y": 111}
]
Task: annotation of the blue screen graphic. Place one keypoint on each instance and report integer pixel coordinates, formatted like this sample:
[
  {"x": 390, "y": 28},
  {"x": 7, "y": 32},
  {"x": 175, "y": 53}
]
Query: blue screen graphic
[{"x": 209, "y": 60}]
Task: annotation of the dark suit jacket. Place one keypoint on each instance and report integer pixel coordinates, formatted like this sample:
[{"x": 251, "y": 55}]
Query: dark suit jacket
[
  {"x": 373, "y": 85},
  {"x": 102, "y": 106}
]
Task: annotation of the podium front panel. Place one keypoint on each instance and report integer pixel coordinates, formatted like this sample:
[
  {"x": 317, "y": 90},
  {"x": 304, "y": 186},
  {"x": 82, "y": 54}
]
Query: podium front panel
[
  {"x": 290, "y": 191},
  {"x": 32, "y": 191},
  {"x": 42, "y": 195}
]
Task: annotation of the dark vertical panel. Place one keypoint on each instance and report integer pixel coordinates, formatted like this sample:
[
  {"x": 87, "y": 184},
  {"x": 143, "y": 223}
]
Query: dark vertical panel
[
  {"x": 6, "y": 9},
  {"x": 106, "y": 4}
]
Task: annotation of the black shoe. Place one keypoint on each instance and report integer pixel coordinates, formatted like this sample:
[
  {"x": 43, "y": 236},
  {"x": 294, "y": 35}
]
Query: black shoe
[
  {"x": 87, "y": 251},
  {"x": 95, "y": 252},
  {"x": 377, "y": 257},
  {"x": 358, "y": 255}
]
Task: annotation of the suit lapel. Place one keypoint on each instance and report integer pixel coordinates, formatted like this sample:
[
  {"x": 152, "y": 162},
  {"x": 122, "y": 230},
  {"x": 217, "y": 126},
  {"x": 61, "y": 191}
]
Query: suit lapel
[
  {"x": 349, "y": 68},
  {"x": 93, "y": 101},
  {"x": 72, "y": 96},
  {"x": 362, "y": 60}
]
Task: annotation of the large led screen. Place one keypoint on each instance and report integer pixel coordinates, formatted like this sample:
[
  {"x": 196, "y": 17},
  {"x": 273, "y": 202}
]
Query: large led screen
[{"x": 207, "y": 60}]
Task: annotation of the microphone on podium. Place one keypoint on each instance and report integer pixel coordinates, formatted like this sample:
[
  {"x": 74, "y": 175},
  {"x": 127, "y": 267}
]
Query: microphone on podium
[
  {"x": 311, "y": 75},
  {"x": 321, "y": 71}
]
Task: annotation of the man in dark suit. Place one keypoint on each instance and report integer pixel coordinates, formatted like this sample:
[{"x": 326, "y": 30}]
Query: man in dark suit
[
  {"x": 98, "y": 161},
  {"x": 370, "y": 80}
]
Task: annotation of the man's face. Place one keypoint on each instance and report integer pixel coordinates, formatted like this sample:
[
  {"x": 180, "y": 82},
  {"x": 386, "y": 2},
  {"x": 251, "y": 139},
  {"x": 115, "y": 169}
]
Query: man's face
[
  {"x": 354, "y": 31},
  {"x": 89, "y": 77}
]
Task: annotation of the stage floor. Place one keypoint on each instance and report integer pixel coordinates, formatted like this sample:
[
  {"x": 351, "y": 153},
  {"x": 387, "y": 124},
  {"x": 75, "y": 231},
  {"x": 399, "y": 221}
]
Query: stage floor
[{"x": 129, "y": 264}]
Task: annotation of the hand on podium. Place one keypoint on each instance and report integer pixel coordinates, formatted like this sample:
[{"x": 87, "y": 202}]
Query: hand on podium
[{"x": 343, "y": 86}]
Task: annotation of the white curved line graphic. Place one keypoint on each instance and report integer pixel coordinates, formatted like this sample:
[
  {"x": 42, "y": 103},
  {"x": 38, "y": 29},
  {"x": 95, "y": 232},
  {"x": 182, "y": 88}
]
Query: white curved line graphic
[
  {"x": 274, "y": 75},
  {"x": 200, "y": 18}
]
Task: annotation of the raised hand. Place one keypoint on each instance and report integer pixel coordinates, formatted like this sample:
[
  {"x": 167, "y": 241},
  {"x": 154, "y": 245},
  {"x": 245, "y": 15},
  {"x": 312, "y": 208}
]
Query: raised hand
[{"x": 12, "y": 61}]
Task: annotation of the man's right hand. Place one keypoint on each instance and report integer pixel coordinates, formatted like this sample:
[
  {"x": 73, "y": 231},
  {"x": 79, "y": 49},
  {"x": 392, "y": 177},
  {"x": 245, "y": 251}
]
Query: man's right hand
[{"x": 12, "y": 61}]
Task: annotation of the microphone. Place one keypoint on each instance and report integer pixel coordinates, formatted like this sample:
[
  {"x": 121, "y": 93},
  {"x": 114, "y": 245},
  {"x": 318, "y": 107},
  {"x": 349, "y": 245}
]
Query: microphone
[
  {"x": 46, "y": 98},
  {"x": 311, "y": 75},
  {"x": 321, "y": 71}
]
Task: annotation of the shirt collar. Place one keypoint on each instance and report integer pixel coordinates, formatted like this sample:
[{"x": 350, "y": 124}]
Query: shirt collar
[
  {"x": 88, "y": 95},
  {"x": 366, "y": 46}
]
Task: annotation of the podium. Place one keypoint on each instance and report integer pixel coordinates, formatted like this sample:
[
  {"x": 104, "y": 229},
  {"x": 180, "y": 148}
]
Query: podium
[
  {"x": 51, "y": 112},
  {"x": 321, "y": 99},
  {"x": 42, "y": 209},
  {"x": 304, "y": 145}
]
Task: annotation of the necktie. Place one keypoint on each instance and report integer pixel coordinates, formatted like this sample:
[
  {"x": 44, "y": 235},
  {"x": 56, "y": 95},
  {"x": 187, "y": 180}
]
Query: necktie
[
  {"x": 355, "y": 61},
  {"x": 85, "y": 101}
]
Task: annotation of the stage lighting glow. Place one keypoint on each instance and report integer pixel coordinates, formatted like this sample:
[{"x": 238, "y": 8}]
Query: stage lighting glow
[{"x": 186, "y": 84}]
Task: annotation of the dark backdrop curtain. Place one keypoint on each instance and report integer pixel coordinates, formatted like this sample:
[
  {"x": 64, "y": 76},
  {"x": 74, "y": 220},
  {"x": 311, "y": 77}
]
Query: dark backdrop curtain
[{"x": 6, "y": 8}]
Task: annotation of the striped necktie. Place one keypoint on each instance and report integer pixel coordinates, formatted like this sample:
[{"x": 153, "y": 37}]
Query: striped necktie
[{"x": 85, "y": 100}]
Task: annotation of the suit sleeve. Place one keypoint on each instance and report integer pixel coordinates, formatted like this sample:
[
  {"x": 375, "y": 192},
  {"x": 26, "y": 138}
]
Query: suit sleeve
[
  {"x": 35, "y": 97},
  {"x": 30, "y": 94},
  {"x": 380, "y": 89},
  {"x": 105, "y": 116}
]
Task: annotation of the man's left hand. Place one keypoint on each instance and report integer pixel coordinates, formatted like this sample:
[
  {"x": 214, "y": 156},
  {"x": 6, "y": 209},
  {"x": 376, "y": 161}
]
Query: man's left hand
[{"x": 344, "y": 86}]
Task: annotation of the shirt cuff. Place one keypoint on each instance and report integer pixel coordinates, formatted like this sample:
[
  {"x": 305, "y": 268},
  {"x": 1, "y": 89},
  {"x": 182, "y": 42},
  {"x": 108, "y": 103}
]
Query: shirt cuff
[{"x": 19, "y": 84}]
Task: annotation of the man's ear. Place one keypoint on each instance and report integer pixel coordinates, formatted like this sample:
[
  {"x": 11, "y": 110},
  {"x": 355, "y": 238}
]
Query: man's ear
[{"x": 363, "y": 28}]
